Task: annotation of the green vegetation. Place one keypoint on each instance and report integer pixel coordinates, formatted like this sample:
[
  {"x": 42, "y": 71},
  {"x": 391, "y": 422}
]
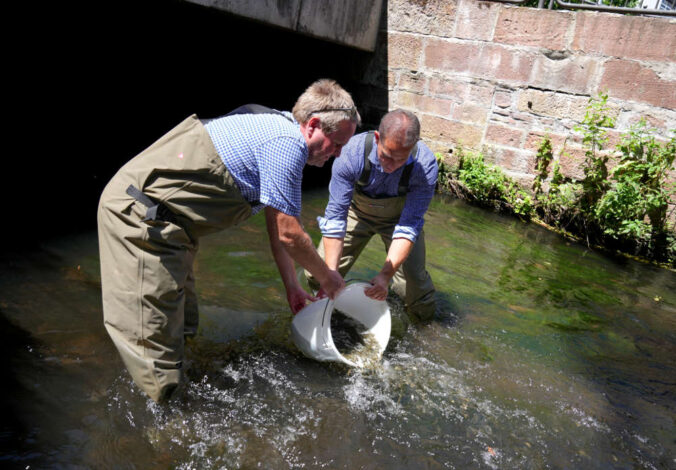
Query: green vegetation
[
  {"x": 485, "y": 184},
  {"x": 625, "y": 209}
]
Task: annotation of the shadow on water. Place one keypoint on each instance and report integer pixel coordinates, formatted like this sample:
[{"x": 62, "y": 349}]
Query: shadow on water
[
  {"x": 16, "y": 346},
  {"x": 57, "y": 351}
]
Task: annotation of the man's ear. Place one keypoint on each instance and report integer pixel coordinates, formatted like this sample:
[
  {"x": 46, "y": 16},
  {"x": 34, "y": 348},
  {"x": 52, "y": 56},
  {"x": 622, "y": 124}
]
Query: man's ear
[
  {"x": 312, "y": 125},
  {"x": 376, "y": 134}
]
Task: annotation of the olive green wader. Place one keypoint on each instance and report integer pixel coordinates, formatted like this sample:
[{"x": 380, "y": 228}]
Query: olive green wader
[
  {"x": 370, "y": 216},
  {"x": 150, "y": 217}
]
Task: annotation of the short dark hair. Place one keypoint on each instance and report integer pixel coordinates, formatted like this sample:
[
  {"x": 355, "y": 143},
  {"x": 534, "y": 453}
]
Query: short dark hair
[{"x": 400, "y": 124}]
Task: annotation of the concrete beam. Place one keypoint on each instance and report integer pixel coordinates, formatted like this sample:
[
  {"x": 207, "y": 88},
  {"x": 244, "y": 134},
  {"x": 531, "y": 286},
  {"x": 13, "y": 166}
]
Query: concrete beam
[{"x": 352, "y": 23}]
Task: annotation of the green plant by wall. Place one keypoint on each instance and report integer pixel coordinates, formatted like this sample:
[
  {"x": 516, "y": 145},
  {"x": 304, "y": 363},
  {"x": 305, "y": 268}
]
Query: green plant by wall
[
  {"x": 595, "y": 137},
  {"x": 445, "y": 174},
  {"x": 543, "y": 158},
  {"x": 626, "y": 209},
  {"x": 636, "y": 205},
  {"x": 484, "y": 184}
]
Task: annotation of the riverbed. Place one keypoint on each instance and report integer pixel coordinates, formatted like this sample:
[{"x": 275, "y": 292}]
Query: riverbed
[{"x": 542, "y": 354}]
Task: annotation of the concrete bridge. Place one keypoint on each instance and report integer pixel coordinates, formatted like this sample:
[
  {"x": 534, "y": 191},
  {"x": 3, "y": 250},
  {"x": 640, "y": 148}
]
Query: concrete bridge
[{"x": 349, "y": 22}]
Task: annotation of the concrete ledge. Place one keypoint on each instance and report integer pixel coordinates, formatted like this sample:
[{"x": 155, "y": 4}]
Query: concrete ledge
[{"x": 352, "y": 23}]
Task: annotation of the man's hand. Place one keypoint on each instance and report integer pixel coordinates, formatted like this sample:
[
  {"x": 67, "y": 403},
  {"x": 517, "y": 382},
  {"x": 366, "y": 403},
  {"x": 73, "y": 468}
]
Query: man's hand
[
  {"x": 396, "y": 255},
  {"x": 378, "y": 289},
  {"x": 289, "y": 243},
  {"x": 332, "y": 285},
  {"x": 298, "y": 298}
]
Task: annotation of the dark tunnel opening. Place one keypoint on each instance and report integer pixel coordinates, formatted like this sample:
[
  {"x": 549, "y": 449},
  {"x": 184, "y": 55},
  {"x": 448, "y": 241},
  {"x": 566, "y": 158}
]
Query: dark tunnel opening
[{"x": 104, "y": 81}]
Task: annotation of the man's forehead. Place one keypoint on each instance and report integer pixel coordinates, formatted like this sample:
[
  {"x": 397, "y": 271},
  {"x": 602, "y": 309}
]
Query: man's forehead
[
  {"x": 343, "y": 134},
  {"x": 392, "y": 146}
]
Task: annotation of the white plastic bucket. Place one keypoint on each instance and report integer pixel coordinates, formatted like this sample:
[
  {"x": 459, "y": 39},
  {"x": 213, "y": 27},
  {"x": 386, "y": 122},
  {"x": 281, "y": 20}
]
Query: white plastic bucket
[{"x": 311, "y": 327}]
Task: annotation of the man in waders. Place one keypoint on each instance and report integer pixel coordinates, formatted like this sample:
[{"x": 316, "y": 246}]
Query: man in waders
[
  {"x": 383, "y": 184},
  {"x": 199, "y": 178}
]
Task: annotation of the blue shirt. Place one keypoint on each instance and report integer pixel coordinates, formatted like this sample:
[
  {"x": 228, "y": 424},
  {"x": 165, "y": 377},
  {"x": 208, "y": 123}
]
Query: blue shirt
[
  {"x": 346, "y": 172},
  {"x": 265, "y": 154}
]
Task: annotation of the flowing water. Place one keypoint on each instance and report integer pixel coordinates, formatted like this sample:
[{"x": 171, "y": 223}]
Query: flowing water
[{"x": 542, "y": 354}]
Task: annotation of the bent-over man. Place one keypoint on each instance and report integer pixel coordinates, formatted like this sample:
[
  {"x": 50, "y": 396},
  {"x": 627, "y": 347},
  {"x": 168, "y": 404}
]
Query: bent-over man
[
  {"x": 199, "y": 178},
  {"x": 383, "y": 184}
]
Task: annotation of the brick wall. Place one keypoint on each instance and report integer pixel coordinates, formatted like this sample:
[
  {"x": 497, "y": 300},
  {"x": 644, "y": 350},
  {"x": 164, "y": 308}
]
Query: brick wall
[{"x": 496, "y": 77}]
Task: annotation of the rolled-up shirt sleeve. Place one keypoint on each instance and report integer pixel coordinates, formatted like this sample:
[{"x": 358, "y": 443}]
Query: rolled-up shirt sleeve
[
  {"x": 345, "y": 172},
  {"x": 421, "y": 191}
]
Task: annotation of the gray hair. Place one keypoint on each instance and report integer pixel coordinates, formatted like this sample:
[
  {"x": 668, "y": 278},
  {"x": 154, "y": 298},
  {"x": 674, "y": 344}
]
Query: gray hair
[
  {"x": 402, "y": 125},
  {"x": 329, "y": 102}
]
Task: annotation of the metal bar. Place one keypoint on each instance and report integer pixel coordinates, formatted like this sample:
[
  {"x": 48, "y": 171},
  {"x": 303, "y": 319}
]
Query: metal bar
[
  {"x": 516, "y": 2},
  {"x": 605, "y": 8},
  {"x": 637, "y": 11}
]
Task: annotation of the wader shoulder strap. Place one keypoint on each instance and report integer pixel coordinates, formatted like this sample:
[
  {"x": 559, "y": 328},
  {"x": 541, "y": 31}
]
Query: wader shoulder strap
[
  {"x": 256, "y": 109},
  {"x": 406, "y": 174},
  {"x": 366, "y": 172}
]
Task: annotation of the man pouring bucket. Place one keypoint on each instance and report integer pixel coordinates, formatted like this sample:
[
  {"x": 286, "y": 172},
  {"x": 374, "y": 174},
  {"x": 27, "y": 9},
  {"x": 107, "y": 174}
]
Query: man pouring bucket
[{"x": 197, "y": 179}]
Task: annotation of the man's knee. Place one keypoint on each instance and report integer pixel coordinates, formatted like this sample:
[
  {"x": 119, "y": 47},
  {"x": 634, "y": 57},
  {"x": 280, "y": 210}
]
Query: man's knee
[{"x": 422, "y": 309}]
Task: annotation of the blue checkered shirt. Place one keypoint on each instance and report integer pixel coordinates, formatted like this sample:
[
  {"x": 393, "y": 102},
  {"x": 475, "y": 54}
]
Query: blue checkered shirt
[
  {"x": 265, "y": 154},
  {"x": 346, "y": 172}
]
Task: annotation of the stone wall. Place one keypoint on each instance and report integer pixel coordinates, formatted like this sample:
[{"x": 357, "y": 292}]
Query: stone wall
[{"x": 494, "y": 77}]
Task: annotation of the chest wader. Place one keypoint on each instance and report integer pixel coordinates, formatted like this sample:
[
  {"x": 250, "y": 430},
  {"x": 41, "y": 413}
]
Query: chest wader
[
  {"x": 369, "y": 216},
  {"x": 150, "y": 218}
]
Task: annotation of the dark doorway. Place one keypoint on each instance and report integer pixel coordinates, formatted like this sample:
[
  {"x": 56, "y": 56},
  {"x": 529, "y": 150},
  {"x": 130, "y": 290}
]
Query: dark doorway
[{"x": 98, "y": 82}]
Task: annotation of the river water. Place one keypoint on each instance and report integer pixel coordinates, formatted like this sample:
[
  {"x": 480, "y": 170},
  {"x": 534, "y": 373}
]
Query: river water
[{"x": 542, "y": 354}]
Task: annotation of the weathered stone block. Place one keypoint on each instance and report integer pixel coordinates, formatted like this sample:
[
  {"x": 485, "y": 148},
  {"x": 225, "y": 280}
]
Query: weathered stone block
[
  {"x": 423, "y": 103},
  {"x": 570, "y": 163},
  {"x": 631, "y": 81},
  {"x": 518, "y": 161},
  {"x": 445, "y": 130},
  {"x": 414, "y": 82},
  {"x": 403, "y": 51},
  {"x": 563, "y": 72},
  {"x": 469, "y": 112},
  {"x": 629, "y": 37},
  {"x": 502, "y": 63},
  {"x": 552, "y": 104},
  {"x": 461, "y": 91},
  {"x": 503, "y": 135},
  {"x": 487, "y": 61},
  {"x": 450, "y": 56},
  {"x": 531, "y": 27},
  {"x": 392, "y": 79},
  {"x": 476, "y": 20},
  {"x": 435, "y": 17},
  {"x": 503, "y": 99}
]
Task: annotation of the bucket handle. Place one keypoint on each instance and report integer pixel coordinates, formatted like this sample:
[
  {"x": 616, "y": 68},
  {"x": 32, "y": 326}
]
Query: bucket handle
[
  {"x": 327, "y": 309},
  {"x": 329, "y": 305}
]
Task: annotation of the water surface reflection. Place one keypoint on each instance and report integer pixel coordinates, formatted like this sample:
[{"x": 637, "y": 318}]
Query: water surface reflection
[{"x": 542, "y": 355}]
